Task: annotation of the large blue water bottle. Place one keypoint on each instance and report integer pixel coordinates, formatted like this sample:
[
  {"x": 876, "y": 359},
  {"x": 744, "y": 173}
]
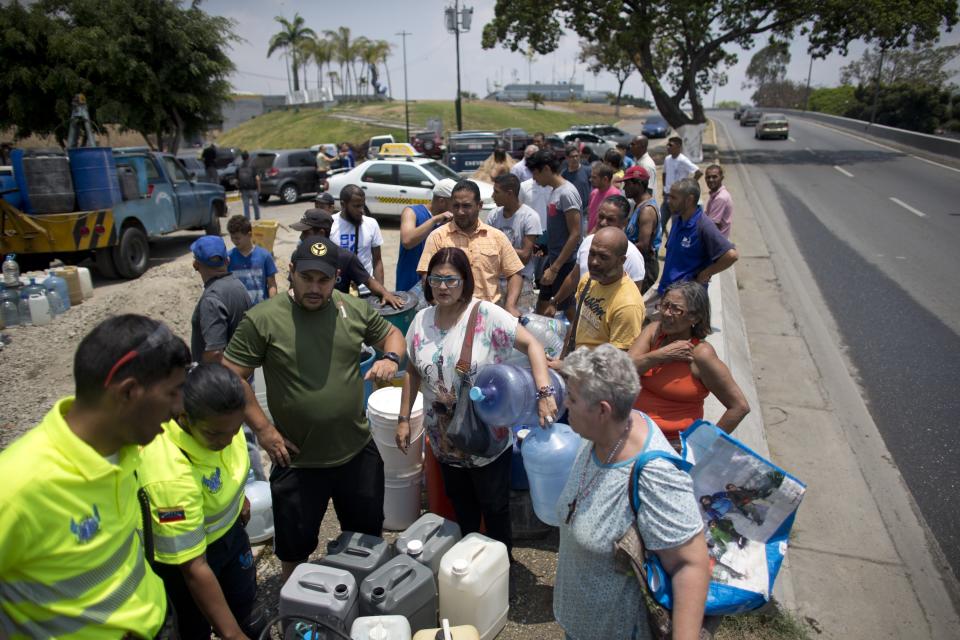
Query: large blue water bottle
[
  {"x": 548, "y": 456},
  {"x": 58, "y": 284},
  {"x": 506, "y": 395}
]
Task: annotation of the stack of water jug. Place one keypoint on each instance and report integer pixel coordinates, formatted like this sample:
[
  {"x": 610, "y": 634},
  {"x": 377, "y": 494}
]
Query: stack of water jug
[
  {"x": 429, "y": 579},
  {"x": 25, "y": 301}
]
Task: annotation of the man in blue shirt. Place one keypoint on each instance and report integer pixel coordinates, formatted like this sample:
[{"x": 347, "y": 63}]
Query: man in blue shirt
[
  {"x": 696, "y": 250},
  {"x": 416, "y": 223},
  {"x": 252, "y": 265}
]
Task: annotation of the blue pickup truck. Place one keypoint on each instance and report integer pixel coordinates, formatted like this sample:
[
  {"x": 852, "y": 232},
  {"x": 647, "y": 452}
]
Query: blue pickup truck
[
  {"x": 466, "y": 150},
  {"x": 166, "y": 200}
]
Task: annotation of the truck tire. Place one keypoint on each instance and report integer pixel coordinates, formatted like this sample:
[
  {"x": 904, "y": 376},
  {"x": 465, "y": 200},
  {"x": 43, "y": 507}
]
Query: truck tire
[
  {"x": 104, "y": 261},
  {"x": 213, "y": 227},
  {"x": 132, "y": 255},
  {"x": 289, "y": 193}
]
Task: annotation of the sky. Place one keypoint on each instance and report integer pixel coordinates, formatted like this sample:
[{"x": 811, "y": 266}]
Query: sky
[{"x": 431, "y": 58}]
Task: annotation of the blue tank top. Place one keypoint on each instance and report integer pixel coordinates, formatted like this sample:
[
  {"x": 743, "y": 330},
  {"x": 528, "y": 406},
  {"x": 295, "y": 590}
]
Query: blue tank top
[
  {"x": 633, "y": 232},
  {"x": 409, "y": 258}
]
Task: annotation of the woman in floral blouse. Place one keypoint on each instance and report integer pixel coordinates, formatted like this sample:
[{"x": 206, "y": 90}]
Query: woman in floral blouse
[{"x": 477, "y": 487}]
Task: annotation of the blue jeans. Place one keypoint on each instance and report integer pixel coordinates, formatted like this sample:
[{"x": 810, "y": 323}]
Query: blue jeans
[{"x": 250, "y": 196}]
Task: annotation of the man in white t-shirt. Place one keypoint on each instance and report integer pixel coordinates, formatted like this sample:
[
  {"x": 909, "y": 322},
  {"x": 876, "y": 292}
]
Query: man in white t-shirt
[
  {"x": 613, "y": 212},
  {"x": 520, "y": 224},
  {"x": 676, "y": 167},
  {"x": 352, "y": 231},
  {"x": 640, "y": 155}
]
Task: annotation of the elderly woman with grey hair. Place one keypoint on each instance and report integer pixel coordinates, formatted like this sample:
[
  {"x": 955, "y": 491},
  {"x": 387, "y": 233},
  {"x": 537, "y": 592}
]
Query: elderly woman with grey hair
[
  {"x": 591, "y": 598},
  {"x": 678, "y": 368}
]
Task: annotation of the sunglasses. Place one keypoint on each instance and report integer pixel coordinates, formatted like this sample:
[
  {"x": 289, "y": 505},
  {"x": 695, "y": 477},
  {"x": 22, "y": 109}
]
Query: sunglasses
[{"x": 450, "y": 282}]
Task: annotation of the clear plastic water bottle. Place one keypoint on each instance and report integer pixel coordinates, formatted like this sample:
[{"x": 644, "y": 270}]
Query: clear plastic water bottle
[
  {"x": 506, "y": 395},
  {"x": 10, "y": 308},
  {"x": 56, "y": 302},
  {"x": 549, "y": 332},
  {"x": 11, "y": 271},
  {"x": 23, "y": 308},
  {"x": 55, "y": 283}
]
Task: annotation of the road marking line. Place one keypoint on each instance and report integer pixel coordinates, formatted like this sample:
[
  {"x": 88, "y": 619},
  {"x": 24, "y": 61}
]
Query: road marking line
[
  {"x": 791, "y": 139},
  {"x": 843, "y": 171},
  {"x": 908, "y": 207},
  {"x": 936, "y": 164}
]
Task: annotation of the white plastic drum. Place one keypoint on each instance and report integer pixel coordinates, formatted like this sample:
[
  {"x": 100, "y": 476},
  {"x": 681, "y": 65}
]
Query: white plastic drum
[
  {"x": 402, "y": 499},
  {"x": 383, "y": 407}
]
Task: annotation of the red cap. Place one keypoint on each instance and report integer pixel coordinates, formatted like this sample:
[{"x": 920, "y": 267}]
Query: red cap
[{"x": 636, "y": 172}]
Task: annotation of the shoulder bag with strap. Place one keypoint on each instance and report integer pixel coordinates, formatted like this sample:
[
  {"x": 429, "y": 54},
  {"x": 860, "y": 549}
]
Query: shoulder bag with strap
[
  {"x": 466, "y": 431},
  {"x": 631, "y": 555},
  {"x": 571, "y": 340}
]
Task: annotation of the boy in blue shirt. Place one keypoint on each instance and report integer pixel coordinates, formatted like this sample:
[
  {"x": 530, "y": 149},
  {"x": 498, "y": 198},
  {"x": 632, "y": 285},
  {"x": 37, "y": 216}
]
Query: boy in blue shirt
[{"x": 252, "y": 265}]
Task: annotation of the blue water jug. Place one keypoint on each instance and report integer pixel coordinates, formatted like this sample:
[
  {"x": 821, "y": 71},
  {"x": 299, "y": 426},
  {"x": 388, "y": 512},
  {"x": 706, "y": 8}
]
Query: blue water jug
[
  {"x": 548, "y": 456},
  {"x": 58, "y": 284},
  {"x": 506, "y": 395}
]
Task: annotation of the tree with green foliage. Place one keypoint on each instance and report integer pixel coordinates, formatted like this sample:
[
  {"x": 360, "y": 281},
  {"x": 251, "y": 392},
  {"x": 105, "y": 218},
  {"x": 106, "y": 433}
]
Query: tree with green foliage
[
  {"x": 675, "y": 44},
  {"x": 922, "y": 63},
  {"x": 292, "y": 37},
  {"x": 604, "y": 56},
  {"x": 917, "y": 107},
  {"x": 833, "y": 100},
  {"x": 768, "y": 65},
  {"x": 158, "y": 68},
  {"x": 535, "y": 98}
]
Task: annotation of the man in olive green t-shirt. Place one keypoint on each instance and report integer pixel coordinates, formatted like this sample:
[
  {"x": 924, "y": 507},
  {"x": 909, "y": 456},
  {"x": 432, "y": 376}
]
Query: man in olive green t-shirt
[{"x": 309, "y": 347}]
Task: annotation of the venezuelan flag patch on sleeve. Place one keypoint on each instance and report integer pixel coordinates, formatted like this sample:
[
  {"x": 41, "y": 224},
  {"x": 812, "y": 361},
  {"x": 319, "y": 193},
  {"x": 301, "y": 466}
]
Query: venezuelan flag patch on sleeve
[{"x": 171, "y": 514}]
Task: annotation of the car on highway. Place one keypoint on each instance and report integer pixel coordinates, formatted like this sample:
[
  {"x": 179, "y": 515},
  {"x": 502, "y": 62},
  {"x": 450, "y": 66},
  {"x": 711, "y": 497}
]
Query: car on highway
[
  {"x": 286, "y": 173},
  {"x": 750, "y": 117},
  {"x": 466, "y": 150},
  {"x": 656, "y": 127},
  {"x": 393, "y": 183},
  {"x": 591, "y": 144},
  {"x": 607, "y": 132},
  {"x": 739, "y": 111},
  {"x": 772, "y": 125}
]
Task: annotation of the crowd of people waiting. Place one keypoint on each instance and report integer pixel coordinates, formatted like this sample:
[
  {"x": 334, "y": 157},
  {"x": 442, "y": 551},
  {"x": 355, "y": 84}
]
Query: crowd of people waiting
[{"x": 123, "y": 510}]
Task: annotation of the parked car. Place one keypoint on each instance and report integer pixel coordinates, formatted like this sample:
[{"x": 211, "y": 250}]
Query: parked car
[
  {"x": 228, "y": 175},
  {"x": 193, "y": 166},
  {"x": 656, "y": 127},
  {"x": 429, "y": 143},
  {"x": 592, "y": 144},
  {"x": 286, "y": 173},
  {"x": 772, "y": 125},
  {"x": 393, "y": 183},
  {"x": 373, "y": 144},
  {"x": 515, "y": 141},
  {"x": 607, "y": 132},
  {"x": 739, "y": 111},
  {"x": 750, "y": 117},
  {"x": 466, "y": 150}
]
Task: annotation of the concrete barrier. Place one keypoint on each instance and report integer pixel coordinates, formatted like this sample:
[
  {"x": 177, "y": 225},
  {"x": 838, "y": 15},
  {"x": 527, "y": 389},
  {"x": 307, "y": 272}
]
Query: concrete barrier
[{"x": 934, "y": 144}]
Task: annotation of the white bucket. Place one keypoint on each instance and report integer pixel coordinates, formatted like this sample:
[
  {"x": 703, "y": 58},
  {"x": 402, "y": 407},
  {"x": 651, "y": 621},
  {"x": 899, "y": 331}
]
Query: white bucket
[
  {"x": 401, "y": 499},
  {"x": 382, "y": 410}
]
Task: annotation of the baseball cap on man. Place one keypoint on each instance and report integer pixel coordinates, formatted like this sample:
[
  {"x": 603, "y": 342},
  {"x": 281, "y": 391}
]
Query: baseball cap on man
[
  {"x": 444, "y": 188},
  {"x": 318, "y": 253},
  {"x": 210, "y": 251},
  {"x": 313, "y": 219},
  {"x": 324, "y": 198},
  {"x": 636, "y": 172}
]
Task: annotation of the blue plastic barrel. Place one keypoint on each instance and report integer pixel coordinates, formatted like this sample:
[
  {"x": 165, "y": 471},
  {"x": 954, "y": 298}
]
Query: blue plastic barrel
[
  {"x": 20, "y": 179},
  {"x": 10, "y": 190},
  {"x": 367, "y": 357},
  {"x": 94, "y": 178}
]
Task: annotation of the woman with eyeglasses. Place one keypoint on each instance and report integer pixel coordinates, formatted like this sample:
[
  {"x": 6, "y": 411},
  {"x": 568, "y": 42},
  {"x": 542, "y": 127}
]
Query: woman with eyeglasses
[
  {"x": 477, "y": 486},
  {"x": 678, "y": 368},
  {"x": 193, "y": 475}
]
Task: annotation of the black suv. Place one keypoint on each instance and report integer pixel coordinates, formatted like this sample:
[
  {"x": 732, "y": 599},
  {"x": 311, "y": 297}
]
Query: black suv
[
  {"x": 286, "y": 173},
  {"x": 466, "y": 150}
]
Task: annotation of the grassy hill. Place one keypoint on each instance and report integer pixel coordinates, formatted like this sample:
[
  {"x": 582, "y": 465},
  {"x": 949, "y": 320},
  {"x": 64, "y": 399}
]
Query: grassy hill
[{"x": 305, "y": 127}]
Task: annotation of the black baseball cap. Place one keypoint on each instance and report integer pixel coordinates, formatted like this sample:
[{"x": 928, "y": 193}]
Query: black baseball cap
[
  {"x": 313, "y": 219},
  {"x": 325, "y": 198},
  {"x": 316, "y": 253}
]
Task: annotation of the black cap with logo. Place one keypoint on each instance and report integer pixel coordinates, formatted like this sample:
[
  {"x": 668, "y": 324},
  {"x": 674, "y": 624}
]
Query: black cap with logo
[{"x": 316, "y": 253}]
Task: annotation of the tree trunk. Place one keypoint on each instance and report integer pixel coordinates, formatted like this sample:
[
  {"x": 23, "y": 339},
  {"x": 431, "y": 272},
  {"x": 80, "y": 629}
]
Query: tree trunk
[
  {"x": 386, "y": 67},
  {"x": 668, "y": 107},
  {"x": 616, "y": 108},
  {"x": 295, "y": 68}
]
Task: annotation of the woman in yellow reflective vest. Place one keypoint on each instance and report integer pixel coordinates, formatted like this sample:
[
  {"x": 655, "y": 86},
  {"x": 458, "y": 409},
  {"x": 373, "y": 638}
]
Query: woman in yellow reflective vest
[{"x": 194, "y": 474}]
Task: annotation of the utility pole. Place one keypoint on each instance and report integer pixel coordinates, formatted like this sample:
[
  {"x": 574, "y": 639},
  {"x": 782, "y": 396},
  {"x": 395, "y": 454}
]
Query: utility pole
[
  {"x": 458, "y": 20},
  {"x": 406, "y": 104},
  {"x": 806, "y": 106}
]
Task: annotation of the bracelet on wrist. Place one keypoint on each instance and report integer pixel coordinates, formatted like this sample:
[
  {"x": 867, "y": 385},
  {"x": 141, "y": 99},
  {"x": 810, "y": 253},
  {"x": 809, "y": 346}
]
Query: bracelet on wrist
[
  {"x": 403, "y": 419},
  {"x": 547, "y": 391}
]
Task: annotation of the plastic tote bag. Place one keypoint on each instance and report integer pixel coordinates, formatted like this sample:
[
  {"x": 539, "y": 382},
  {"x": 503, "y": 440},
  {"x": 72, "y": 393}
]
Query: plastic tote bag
[{"x": 748, "y": 505}]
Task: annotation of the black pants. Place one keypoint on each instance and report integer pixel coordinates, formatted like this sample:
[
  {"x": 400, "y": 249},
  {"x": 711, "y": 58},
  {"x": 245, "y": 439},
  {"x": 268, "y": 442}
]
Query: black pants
[
  {"x": 300, "y": 498},
  {"x": 231, "y": 560},
  {"x": 482, "y": 492}
]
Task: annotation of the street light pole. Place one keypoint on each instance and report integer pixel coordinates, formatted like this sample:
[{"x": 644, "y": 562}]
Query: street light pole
[
  {"x": 806, "y": 106},
  {"x": 458, "y": 20},
  {"x": 406, "y": 104}
]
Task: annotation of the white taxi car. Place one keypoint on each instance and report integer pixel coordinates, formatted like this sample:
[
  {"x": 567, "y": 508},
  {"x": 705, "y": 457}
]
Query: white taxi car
[{"x": 392, "y": 183}]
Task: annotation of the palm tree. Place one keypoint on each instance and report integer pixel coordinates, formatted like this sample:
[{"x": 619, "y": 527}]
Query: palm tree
[
  {"x": 291, "y": 38},
  {"x": 321, "y": 52},
  {"x": 357, "y": 50},
  {"x": 342, "y": 51}
]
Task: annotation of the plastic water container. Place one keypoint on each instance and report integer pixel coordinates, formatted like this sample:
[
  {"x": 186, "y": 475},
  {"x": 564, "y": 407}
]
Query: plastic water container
[
  {"x": 11, "y": 271},
  {"x": 380, "y": 628},
  {"x": 40, "y": 312},
  {"x": 548, "y": 456},
  {"x": 401, "y": 499},
  {"x": 506, "y": 395},
  {"x": 474, "y": 584},
  {"x": 54, "y": 282},
  {"x": 86, "y": 282},
  {"x": 44, "y": 180},
  {"x": 9, "y": 191},
  {"x": 446, "y": 632},
  {"x": 548, "y": 331},
  {"x": 325, "y": 593},
  {"x": 55, "y": 302},
  {"x": 367, "y": 357},
  {"x": 72, "y": 276},
  {"x": 94, "y": 175},
  {"x": 383, "y": 407},
  {"x": 23, "y": 310},
  {"x": 358, "y": 553},
  {"x": 10, "y": 306},
  {"x": 428, "y": 539},
  {"x": 260, "y": 527},
  {"x": 402, "y": 587}
]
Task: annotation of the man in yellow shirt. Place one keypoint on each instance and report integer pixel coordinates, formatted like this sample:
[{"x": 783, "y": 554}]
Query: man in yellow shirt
[
  {"x": 72, "y": 562},
  {"x": 490, "y": 252},
  {"x": 609, "y": 305}
]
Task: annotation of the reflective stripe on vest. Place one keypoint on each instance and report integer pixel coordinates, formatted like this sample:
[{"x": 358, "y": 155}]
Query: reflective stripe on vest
[
  {"x": 226, "y": 516},
  {"x": 179, "y": 542}
]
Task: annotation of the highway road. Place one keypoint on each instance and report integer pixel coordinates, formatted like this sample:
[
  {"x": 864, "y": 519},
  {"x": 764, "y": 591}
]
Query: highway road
[{"x": 880, "y": 232}]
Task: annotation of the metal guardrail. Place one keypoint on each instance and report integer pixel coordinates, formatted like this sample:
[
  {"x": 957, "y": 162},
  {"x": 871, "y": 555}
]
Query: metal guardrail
[{"x": 934, "y": 144}]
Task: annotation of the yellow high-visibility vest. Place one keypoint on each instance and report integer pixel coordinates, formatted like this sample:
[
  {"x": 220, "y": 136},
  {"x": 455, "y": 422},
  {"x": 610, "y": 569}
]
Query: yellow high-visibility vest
[{"x": 71, "y": 551}]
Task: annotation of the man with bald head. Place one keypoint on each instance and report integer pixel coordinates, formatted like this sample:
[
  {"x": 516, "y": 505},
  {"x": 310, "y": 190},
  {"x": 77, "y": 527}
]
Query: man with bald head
[
  {"x": 609, "y": 305},
  {"x": 638, "y": 151}
]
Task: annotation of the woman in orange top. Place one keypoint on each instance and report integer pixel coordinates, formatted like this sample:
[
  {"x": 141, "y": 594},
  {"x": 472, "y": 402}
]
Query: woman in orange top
[{"x": 678, "y": 368}]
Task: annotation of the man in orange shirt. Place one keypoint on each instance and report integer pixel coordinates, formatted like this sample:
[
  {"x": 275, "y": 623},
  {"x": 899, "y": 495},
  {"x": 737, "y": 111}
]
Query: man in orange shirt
[{"x": 490, "y": 252}]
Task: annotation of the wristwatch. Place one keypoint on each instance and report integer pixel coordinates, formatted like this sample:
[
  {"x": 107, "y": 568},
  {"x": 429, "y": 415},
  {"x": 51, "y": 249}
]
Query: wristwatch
[{"x": 393, "y": 357}]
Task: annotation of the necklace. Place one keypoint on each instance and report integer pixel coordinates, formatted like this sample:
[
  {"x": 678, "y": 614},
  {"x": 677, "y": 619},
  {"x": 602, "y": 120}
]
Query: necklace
[{"x": 584, "y": 491}]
